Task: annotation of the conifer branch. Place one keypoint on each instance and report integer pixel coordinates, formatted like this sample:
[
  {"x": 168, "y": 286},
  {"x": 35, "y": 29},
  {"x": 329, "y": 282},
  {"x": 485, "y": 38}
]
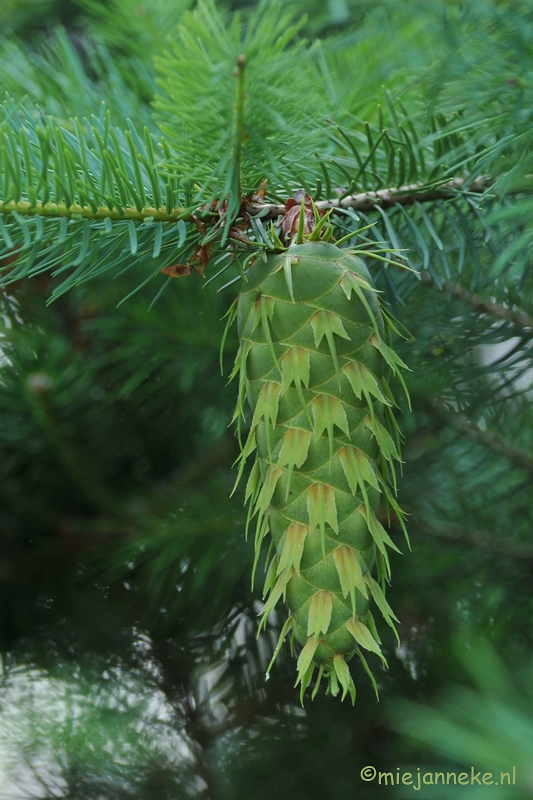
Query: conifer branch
[
  {"x": 489, "y": 439},
  {"x": 70, "y": 454},
  {"x": 364, "y": 201},
  {"x": 240, "y": 130},
  {"x": 474, "y": 538},
  {"x": 493, "y": 441},
  {"x": 386, "y": 198},
  {"x": 516, "y": 316},
  {"x": 58, "y": 210}
]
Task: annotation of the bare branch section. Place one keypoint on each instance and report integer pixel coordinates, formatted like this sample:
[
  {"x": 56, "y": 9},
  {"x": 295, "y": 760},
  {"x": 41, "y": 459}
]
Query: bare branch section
[
  {"x": 487, "y": 438},
  {"x": 514, "y": 315},
  {"x": 474, "y": 538},
  {"x": 495, "y": 442},
  {"x": 386, "y": 198}
]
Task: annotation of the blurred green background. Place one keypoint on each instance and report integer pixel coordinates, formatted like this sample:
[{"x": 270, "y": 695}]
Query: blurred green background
[{"x": 130, "y": 664}]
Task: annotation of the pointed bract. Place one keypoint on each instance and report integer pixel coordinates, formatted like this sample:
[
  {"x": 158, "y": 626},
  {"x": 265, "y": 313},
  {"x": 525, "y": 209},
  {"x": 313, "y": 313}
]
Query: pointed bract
[{"x": 320, "y": 608}]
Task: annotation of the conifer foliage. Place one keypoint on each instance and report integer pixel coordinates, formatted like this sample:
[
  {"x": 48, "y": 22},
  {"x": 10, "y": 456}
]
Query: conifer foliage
[
  {"x": 350, "y": 183},
  {"x": 86, "y": 197}
]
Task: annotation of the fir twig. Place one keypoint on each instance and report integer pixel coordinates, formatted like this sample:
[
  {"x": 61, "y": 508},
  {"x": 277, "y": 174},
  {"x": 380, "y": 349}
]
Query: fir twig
[
  {"x": 386, "y": 198},
  {"x": 495, "y": 442},
  {"x": 364, "y": 201},
  {"x": 27, "y": 209},
  {"x": 516, "y": 316},
  {"x": 473, "y": 537}
]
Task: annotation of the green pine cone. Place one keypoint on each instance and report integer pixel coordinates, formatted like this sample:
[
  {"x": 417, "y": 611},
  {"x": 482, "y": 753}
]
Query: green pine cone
[{"x": 312, "y": 364}]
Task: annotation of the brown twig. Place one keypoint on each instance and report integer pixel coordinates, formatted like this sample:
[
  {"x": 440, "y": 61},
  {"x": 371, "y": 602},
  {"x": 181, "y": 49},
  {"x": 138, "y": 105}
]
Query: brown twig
[
  {"x": 489, "y": 439},
  {"x": 385, "y": 198},
  {"x": 493, "y": 441},
  {"x": 516, "y": 316},
  {"x": 475, "y": 538}
]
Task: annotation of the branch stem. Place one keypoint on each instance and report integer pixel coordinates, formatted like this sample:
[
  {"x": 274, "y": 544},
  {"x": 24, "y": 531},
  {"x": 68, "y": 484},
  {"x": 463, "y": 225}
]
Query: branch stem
[
  {"x": 364, "y": 201},
  {"x": 240, "y": 131},
  {"x": 27, "y": 209},
  {"x": 385, "y": 198},
  {"x": 475, "y": 538},
  {"x": 516, "y": 316},
  {"x": 493, "y": 441}
]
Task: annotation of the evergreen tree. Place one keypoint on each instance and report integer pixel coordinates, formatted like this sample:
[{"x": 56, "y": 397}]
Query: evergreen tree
[{"x": 150, "y": 145}]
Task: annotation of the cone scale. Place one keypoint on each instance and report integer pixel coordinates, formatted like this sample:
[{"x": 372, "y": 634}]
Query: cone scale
[{"x": 312, "y": 369}]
